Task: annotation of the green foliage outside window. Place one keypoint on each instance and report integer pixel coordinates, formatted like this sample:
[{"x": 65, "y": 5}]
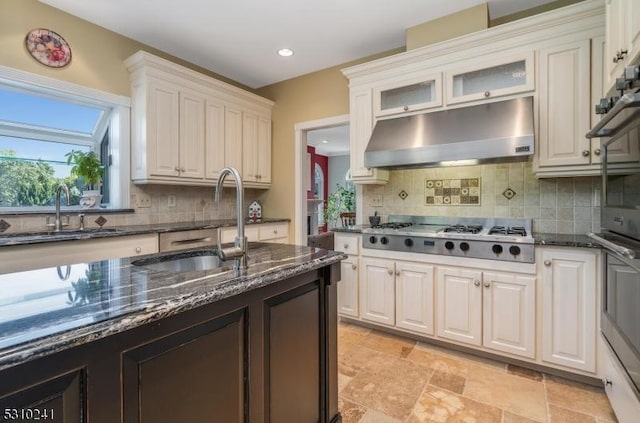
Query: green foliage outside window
[{"x": 29, "y": 183}]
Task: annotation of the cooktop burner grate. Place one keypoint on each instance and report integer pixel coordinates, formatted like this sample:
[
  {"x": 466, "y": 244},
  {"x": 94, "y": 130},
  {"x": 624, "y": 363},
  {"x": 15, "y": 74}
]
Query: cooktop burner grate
[
  {"x": 508, "y": 230},
  {"x": 393, "y": 225},
  {"x": 464, "y": 229}
]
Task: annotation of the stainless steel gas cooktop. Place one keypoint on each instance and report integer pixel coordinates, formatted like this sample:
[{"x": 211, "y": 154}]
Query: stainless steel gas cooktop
[{"x": 486, "y": 238}]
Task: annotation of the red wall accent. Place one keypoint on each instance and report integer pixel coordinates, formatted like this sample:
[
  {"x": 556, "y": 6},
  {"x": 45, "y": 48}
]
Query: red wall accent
[{"x": 323, "y": 162}]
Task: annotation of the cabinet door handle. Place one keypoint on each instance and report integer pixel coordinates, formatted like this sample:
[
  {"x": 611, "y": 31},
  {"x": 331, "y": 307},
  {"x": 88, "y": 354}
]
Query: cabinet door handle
[
  {"x": 354, "y": 267},
  {"x": 390, "y": 272},
  {"x": 547, "y": 263},
  {"x": 624, "y": 52},
  {"x": 597, "y": 151},
  {"x": 476, "y": 282},
  {"x": 487, "y": 284},
  {"x": 487, "y": 93},
  {"x": 138, "y": 249},
  {"x": 606, "y": 382},
  {"x": 586, "y": 153}
]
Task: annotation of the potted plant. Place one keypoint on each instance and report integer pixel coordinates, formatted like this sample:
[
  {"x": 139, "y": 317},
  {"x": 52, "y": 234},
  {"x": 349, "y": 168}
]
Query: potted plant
[
  {"x": 341, "y": 203},
  {"x": 88, "y": 167}
]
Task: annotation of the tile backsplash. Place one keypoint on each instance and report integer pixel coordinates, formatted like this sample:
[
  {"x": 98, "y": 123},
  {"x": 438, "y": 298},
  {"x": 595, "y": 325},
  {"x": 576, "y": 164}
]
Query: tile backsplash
[
  {"x": 562, "y": 205},
  {"x": 192, "y": 204}
]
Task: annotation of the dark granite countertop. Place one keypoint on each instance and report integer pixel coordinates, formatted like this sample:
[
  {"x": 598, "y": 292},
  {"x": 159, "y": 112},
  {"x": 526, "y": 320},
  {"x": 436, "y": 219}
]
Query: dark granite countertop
[
  {"x": 564, "y": 240},
  {"x": 350, "y": 229},
  {"x": 70, "y": 234},
  {"x": 42, "y": 312}
]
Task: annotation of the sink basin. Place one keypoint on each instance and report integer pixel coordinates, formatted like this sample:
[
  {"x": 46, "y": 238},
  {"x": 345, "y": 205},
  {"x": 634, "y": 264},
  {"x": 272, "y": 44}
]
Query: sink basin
[{"x": 184, "y": 262}]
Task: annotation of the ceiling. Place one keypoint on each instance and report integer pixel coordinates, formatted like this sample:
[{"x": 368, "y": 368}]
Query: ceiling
[
  {"x": 239, "y": 38},
  {"x": 336, "y": 137}
]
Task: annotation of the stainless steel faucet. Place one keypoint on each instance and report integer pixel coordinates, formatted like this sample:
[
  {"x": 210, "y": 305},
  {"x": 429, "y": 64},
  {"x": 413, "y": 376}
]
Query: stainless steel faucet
[
  {"x": 239, "y": 250},
  {"x": 57, "y": 225}
]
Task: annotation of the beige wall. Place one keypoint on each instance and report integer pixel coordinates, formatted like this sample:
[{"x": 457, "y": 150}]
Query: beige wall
[
  {"x": 97, "y": 54},
  {"x": 314, "y": 96},
  {"x": 451, "y": 26}
]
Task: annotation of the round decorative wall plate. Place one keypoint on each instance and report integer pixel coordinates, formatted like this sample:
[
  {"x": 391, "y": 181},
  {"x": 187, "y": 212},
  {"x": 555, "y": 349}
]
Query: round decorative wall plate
[{"x": 48, "y": 47}]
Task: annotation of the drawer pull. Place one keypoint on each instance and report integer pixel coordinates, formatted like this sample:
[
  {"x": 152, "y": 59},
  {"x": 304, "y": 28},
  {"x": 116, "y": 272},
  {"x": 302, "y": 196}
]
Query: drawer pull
[
  {"x": 487, "y": 93},
  {"x": 346, "y": 246},
  {"x": 138, "y": 249},
  {"x": 354, "y": 267},
  {"x": 191, "y": 241},
  {"x": 547, "y": 263}
]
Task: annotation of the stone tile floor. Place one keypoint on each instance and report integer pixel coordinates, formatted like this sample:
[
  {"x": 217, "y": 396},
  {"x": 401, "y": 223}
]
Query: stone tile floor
[{"x": 389, "y": 379}]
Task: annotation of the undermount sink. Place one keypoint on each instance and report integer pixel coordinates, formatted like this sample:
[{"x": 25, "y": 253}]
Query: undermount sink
[{"x": 184, "y": 262}]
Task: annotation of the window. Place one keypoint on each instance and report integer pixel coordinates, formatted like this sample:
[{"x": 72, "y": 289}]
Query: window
[{"x": 41, "y": 120}]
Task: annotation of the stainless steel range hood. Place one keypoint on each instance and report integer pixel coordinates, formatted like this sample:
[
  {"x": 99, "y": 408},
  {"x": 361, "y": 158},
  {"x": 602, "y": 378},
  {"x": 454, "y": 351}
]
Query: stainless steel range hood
[{"x": 492, "y": 132}]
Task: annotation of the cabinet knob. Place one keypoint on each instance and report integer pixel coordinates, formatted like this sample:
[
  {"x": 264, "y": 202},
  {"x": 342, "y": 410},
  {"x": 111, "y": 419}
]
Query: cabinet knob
[
  {"x": 547, "y": 263},
  {"x": 606, "y": 382},
  {"x": 487, "y": 284},
  {"x": 182, "y": 170},
  {"x": 177, "y": 168},
  {"x": 397, "y": 273},
  {"x": 406, "y": 108},
  {"x": 596, "y": 151},
  {"x": 487, "y": 93},
  {"x": 624, "y": 52},
  {"x": 275, "y": 231},
  {"x": 354, "y": 267},
  {"x": 586, "y": 153},
  {"x": 346, "y": 246},
  {"x": 390, "y": 272},
  {"x": 138, "y": 249},
  {"x": 476, "y": 282}
]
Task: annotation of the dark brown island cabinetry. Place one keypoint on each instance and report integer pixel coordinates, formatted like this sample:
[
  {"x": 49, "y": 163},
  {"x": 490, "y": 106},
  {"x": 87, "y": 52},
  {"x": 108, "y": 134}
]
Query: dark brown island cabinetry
[{"x": 266, "y": 356}]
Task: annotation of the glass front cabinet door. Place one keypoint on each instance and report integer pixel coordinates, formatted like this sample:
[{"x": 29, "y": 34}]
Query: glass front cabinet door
[
  {"x": 408, "y": 94},
  {"x": 505, "y": 76}
]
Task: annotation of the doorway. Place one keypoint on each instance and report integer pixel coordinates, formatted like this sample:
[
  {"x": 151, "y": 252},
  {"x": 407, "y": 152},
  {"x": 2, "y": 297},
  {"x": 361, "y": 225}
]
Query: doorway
[{"x": 313, "y": 133}]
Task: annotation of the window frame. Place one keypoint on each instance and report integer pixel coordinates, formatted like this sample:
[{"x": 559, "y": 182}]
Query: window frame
[{"x": 118, "y": 125}]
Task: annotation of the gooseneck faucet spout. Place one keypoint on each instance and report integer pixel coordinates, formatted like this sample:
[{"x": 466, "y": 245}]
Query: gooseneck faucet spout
[
  {"x": 58, "y": 223},
  {"x": 239, "y": 250}
]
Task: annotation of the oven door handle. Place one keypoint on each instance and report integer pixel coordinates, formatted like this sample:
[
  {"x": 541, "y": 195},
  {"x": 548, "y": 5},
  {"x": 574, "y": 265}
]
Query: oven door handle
[{"x": 615, "y": 248}]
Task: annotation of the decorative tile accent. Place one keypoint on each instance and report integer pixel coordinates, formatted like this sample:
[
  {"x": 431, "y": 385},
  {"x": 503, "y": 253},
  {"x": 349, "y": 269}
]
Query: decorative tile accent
[
  {"x": 453, "y": 191},
  {"x": 4, "y": 225},
  {"x": 101, "y": 221},
  {"x": 509, "y": 193},
  {"x": 403, "y": 194}
]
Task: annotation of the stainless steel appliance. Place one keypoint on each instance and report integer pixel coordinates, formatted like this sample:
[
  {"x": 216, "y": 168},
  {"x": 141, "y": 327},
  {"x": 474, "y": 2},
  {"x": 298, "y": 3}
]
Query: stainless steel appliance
[
  {"x": 494, "y": 239},
  {"x": 620, "y": 223},
  {"x": 499, "y": 131}
]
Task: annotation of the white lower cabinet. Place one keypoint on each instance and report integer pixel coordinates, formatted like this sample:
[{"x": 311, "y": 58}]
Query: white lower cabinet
[
  {"x": 397, "y": 293},
  {"x": 460, "y": 305},
  {"x": 569, "y": 308},
  {"x": 414, "y": 297},
  {"x": 490, "y": 309},
  {"x": 348, "y": 287},
  {"x": 377, "y": 291}
]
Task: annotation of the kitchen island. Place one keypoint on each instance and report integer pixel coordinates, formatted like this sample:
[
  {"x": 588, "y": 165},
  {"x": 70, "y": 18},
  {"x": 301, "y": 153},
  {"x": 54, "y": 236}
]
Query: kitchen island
[{"x": 131, "y": 340}]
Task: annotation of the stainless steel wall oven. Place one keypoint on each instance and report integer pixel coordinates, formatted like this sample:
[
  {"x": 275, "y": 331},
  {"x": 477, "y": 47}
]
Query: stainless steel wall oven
[{"x": 619, "y": 130}]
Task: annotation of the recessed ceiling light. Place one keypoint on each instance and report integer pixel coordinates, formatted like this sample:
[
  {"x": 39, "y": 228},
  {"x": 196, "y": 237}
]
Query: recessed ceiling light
[
  {"x": 285, "y": 52},
  {"x": 324, "y": 141}
]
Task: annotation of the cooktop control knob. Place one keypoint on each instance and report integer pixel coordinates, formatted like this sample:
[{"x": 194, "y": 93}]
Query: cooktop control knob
[
  {"x": 464, "y": 246},
  {"x": 514, "y": 250},
  {"x": 497, "y": 248},
  {"x": 384, "y": 240},
  {"x": 448, "y": 245},
  {"x": 373, "y": 239},
  {"x": 408, "y": 242}
]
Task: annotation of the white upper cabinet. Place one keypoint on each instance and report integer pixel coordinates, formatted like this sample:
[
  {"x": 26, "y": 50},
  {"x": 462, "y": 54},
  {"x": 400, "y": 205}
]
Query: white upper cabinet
[
  {"x": 493, "y": 78},
  {"x": 408, "y": 94},
  {"x": 186, "y": 126},
  {"x": 623, "y": 37},
  {"x": 360, "y": 127}
]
